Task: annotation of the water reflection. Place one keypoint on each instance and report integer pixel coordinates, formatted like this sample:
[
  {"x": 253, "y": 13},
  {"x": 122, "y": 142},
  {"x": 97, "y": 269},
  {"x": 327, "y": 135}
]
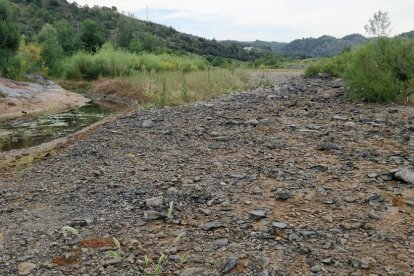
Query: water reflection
[{"x": 28, "y": 133}]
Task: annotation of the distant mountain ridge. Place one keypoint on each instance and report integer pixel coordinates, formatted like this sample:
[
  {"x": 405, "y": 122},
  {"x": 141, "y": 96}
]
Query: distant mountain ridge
[{"x": 323, "y": 46}]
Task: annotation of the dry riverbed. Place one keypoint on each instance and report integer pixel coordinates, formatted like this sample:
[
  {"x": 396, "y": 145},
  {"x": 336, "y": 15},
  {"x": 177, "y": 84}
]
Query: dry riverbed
[{"x": 290, "y": 180}]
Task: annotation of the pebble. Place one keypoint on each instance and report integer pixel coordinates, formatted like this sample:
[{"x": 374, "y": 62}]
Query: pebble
[
  {"x": 172, "y": 192},
  {"x": 315, "y": 269},
  {"x": 279, "y": 225},
  {"x": 212, "y": 225},
  {"x": 282, "y": 196},
  {"x": 26, "y": 268},
  {"x": 154, "y": 201},
  {"x": 252, "y": 122},
  {"x": 372, "y": 175},
  {"x": 229, "y": 265},
  {"x": 192, "y": 271},
  {"x": 148, "y": 124},
  {"x": 257, "y": 214},
  {"x": 221, "y": 243},
  {"x": 327, "y": 146},
  {"x": 406, "y": 175}
]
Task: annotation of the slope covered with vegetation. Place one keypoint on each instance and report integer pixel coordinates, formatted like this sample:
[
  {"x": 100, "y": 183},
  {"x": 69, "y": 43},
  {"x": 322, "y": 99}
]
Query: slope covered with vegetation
[
  {"x": 324, "y": 46},
  {"x": 124, "y": 31},
  {"x": 381, "y": 70}
]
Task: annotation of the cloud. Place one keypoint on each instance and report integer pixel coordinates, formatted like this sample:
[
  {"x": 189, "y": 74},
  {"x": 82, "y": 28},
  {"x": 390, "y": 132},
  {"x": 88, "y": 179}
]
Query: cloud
[{"x": 248, "y": 20}]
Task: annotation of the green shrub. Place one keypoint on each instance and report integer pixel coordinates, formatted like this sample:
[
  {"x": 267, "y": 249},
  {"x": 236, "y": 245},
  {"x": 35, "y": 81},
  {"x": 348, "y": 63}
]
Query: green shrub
[
  {"x": 108, "y": 62},
  {"x": 380, "y": 71}
]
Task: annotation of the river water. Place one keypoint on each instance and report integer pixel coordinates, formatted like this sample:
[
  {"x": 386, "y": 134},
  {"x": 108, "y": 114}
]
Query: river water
[{"x": 35, "y": 131}]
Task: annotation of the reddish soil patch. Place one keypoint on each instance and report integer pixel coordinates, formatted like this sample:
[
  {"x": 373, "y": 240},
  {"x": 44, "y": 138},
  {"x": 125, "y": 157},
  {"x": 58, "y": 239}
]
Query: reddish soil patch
[
  {"x": 66, "y": 259},
  {"x": 97, "y": 243}
]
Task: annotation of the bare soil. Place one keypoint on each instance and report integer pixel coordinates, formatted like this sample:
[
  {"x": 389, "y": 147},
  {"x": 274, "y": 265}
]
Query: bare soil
[{"x": 294, "y": 179}]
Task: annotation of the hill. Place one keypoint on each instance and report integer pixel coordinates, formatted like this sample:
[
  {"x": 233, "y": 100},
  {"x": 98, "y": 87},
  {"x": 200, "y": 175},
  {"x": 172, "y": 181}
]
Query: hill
[
  {"x": 323, "y": 46},
  {"x": 409, "y": 35},
  {"x": 258, "y": 45},
  {"x": 32, "y": 15}
]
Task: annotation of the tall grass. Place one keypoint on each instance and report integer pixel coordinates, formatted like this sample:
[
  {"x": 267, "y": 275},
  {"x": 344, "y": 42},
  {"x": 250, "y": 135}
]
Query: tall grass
[
  {"x": 171, "y": 88},
  {"x": 380, "y": 71},
  {"x": 108, "y": 62}
]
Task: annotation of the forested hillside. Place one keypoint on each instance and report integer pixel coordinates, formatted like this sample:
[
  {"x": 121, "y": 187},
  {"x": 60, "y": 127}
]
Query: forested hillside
[
  {"x": 323, "y": 46},
  {"x": 124, "y": 31}
]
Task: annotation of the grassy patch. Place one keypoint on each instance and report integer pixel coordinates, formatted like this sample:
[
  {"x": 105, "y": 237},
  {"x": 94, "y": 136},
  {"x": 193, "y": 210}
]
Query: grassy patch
[
  {"x": 174, "y": 87},
  {"x": 108, "y": 62},
  {"x": 380, "y": 71}
]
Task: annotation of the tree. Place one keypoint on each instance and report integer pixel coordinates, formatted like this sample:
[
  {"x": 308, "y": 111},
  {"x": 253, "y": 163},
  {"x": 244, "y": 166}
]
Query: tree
[
  {"x": 9, "y": 38},
  {"x": 91, "y": 35},
  {"x": 379, "y": 25},
  {"x": 67, "y": 36},
  {"x": 51, "y": 49},
  {"x": 9, "y": 34},
  {"x": 126, "y": 32}
]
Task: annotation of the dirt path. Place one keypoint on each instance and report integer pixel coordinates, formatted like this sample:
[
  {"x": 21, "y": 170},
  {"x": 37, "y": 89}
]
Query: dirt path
[{"x": 292, "y": 180}]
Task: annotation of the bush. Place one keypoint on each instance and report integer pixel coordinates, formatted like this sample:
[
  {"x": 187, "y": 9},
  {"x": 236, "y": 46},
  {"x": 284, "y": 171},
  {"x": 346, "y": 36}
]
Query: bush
[
  {"x": 380, "y": 71},
  {"x": 108, "y": 62}
]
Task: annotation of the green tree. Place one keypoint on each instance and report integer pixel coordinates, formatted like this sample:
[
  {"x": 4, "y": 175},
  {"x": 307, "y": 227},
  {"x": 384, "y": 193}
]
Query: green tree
[
  {"x": 91, "y": 35},
  {"x": 149, "y": 43},
  {"x": 379, "y": 25},
  {"x": 51, "y": 49},
  {"x": 127, "y": 31},
  {"x": 67, "y": 36},
  {"x": 9, "y": 37}
]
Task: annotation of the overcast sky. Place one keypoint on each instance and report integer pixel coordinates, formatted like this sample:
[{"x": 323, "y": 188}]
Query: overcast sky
[{"x": 271, "y": 20}]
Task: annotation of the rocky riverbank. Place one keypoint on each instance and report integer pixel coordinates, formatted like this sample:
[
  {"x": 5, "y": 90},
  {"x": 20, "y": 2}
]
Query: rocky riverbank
[
  {"x": 290, "y": 180},
  {"x": 22, "y": 99}
]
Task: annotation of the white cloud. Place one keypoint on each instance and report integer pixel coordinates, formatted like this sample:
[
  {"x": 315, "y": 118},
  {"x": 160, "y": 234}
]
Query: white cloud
[{"x": 303, "y": 18}]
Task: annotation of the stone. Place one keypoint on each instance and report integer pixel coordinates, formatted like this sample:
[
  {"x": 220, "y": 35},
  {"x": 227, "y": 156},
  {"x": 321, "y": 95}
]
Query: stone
[
  {"x": 309, "y": 234},
  {"x": 349, "y": 199},
  {"x": 192, "y": 271},
  {"x": 279, "y": 225},
  {"x": 153, "y": 215},
  {"x": 212, "y": 225},
  {"x": 315, "y": 269},
  {"x": 406, "y": 175},
  {"x": 205, "y": 211},
  {"x": 229, "y": 265},
  {"x": 221, "y": 243},
  {"x": 372, "y": 175},
  {"x": 25, "y": 268},
  {"x": 372, "y": 214},
  {"x": 327, "y": 146},
  {"x": 154, "y": 201},
  {"x": 172, "y": 192},
  {"x": 327, "y": 261},
  {"x": 78, "y": 223},
  {"x": 252, "y": 122},
  {"x": 282, "y": 196},
  {"x": 257, "y": 214},
  {"x": 262, "y": 261},
  {"x": 148, "y": 124}
]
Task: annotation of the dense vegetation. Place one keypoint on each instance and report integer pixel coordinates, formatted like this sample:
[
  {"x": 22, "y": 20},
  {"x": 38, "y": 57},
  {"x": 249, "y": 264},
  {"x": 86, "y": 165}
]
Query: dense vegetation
[
  {"x": 108, "y": 62},
  {"x": 381, "y": 70},
  {"x": 9, "y": 38},
  {"x": 94, "y": 25},
  {"x": 324, "y": 46}
]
